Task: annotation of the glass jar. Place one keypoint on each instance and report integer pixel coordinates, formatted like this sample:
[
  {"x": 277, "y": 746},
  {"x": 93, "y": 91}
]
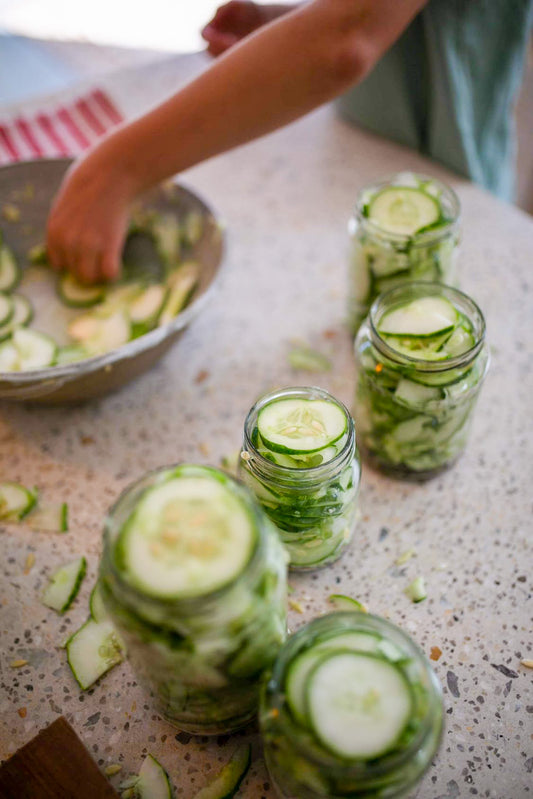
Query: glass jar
[
  {"x": 311, "y": 499},
  {"x": 310, "y": 706},
  {"x": 382, "y": 258},
  {"x": 201, "y": 651},
  {"x": 414, "y": 408}
]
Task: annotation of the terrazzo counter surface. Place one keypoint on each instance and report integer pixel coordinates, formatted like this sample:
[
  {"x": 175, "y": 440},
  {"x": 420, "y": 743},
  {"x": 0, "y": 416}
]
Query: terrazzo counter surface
[{"x": 286, "y": 200}]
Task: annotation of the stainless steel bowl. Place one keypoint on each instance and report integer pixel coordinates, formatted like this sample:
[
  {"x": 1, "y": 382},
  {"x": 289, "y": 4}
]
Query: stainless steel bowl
[{"x": 30, "y": 186}]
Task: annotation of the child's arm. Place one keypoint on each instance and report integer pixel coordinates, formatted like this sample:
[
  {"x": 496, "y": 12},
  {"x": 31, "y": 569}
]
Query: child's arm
[
  {"x": 271, "y": 78},
  {"x": 237, "y": 19}
]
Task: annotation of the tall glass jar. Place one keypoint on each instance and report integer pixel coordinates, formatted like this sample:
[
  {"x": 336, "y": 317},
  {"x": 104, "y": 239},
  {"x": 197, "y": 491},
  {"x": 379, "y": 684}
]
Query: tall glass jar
[
  {"x": 397, "y": 242},
  {"x": 415, "y": 395},
  {"x": 311, "y": 498},
  {"x": 356, "y": 683},
  {"x": 200, "y": 647}
]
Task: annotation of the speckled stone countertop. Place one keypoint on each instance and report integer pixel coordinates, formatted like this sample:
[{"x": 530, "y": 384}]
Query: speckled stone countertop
[{"x": 286, "y": 200}]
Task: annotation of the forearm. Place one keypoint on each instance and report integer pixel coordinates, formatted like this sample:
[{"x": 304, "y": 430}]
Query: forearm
[{"x": 274, "y": 76}]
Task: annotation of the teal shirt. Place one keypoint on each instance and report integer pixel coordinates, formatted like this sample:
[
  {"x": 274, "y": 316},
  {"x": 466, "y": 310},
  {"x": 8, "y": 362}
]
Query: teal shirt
[{"x": 448, "y": 86}]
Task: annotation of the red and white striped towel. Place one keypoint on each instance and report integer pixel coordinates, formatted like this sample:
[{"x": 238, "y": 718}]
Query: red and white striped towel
[{"x": 65, "y": 130}]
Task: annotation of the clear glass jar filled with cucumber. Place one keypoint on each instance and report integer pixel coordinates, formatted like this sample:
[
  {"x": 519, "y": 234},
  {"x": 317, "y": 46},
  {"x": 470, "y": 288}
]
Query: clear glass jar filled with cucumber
[
  {"x": 194, "y": 577},
  {"x": 351, "y": 708},
  {"x": 421, "y": 359},
  {"x": 405, "y": 228},
  {"x": 300, "y": 459}
]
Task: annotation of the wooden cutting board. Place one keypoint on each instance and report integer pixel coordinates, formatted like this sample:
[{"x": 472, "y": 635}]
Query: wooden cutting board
[{"x": 54, "y": 765}]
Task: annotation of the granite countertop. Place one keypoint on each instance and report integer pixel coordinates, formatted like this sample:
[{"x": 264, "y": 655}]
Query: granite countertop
[{"x": 285, "y": 200}]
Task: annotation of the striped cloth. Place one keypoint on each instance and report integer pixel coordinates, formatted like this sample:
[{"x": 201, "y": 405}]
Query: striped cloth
[{"x": 65, "y": 130}]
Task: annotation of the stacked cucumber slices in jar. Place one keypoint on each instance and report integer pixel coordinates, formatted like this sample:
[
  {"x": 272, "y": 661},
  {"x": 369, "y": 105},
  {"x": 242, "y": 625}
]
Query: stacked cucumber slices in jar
[
  {"x": 300, "y": 460},
  {"x": 352, "y": 708},
  {"x": 403, "y": 229},
  {"x": 157, "y": 283},
  {"x": 194, "y": 578},
  {"x": 421, "y": 361}
]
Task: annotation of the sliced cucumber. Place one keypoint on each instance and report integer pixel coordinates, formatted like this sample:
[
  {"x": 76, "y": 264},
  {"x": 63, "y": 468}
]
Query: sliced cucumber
[
  {"x": 72, "y": 353},
  {"x": 92, "y": 650},
  {"x": 153, "y": 781},
  {"x": 301, "y": 425},
  {"x": 76, "y": 294},
  {"x": 99, "y": 333},
  {"x": 166, "y": 231},
  {"x": 302, "y": 666},
  {"x": 15, "y": 500},
  {"x": 342, "y": 602},
  {"x": 188, "y": 535},
  {"x": 96, "y": 604},
  {"x": 6, "y": 309},
  {"x": 64, "y": 585},
  {"x": 358, "y": 704},
  {"x": 413, "y": 394},
  {"x": 10, "y": 271},
  {"x": 26, "y": 350},
  {"x": 425, "y": 316},
  {"x": 52, "y": 517},
  {"x": 181, "y": 283},
  {"x": 145, "y": 309},
  {"x": 403, "y": 210},
  {"x": 227, "y": 782},
  {"x": 416, "y": 591}
]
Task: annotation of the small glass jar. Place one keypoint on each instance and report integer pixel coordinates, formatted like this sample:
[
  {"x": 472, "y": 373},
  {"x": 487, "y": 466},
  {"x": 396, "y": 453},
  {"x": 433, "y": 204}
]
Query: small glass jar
[
  {"x": 201, "y": 655},
  {"x": 300, "y": 761},
  {"x": 313, "y": 507},
  {"x": 414, "y": 415},
  {"x": 381, "y": 259}
]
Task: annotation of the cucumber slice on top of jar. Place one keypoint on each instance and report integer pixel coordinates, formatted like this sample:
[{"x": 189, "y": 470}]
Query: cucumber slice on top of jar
[
  {"x": 300, "y": 460},
  {"x": 403, "y": 229},
  {"x": 194, "y": 578},
  {"x": 421, "y": 358},
  {"x": 352, "y": 708}
]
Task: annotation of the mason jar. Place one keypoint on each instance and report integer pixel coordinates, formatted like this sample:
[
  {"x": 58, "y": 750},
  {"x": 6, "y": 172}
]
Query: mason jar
[
  {"x": 310, "y": 495},
  {"x": 194, "y": 577},
  {"x": 416, "y": 393},
  {"x": 350, "y": 708},
  {"x": 397, "y": 242}
]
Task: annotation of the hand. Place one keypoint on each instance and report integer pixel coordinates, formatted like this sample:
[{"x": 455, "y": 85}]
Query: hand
[
  {"x": 88, "y": 221},
  {"x": 235, "y": 20}
]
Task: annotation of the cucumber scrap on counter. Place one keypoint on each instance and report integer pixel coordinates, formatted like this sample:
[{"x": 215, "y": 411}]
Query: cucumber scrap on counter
[
  {"x": 18, "y": 503},
  {"x": 158, "y": 281},
  {"x": 64, "y": 585}
]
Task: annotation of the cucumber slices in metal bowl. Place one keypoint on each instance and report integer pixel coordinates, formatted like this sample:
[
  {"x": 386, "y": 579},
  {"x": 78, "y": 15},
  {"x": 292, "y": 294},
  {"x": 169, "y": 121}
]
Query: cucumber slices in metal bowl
[{"x": 61, "y": 341}]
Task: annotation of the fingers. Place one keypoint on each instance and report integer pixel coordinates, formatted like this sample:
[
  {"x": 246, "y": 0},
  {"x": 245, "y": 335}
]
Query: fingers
[{"x": 218, "y": 41}]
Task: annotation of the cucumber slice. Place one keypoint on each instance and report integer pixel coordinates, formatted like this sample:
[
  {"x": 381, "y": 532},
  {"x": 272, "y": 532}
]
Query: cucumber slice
[
  {"x": 342, "y": 602},
  {"x": 10, "y": 271},
  {"x": 22, "y": 315},
  {"x": 96, "y": 604},
  {"x": 6, "y": 309},
  {"x": 153, "y": 782},
  {"x": 300, "y": 425},
  {"x": 411, "y": 393},
  {"x": 145, "y": 309},
  {"x": 100, "y": 334},
  {"x": 26, "y": 350},
  {"x": 227, "y": 782},
  {"x": 76, "y": 295},
  {"x": 70, "y": 354},
  {"x": 64, "y": 585},
  {"x": 358, "y": 704},
  {"x": 459, "y": 342},
  {"x": 416, "y": 591},
  {"x": 425, "y": 316},
  {"x": 301, "y": 667},
  {"x": 403, "y": 210},
  {"x": 15, "y": 500},
  {"x": 92, "y": 650},
  {"x": 166, "y": 231},
  {"x": 181, "y": 283},
  {"x": 52, "y": 517},
  {"x": 189, "y": 535}
]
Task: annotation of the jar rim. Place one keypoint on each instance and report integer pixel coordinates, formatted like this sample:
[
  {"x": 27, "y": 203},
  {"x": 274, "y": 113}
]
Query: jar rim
[
  {"x": 365, "y": 622},
  {"x": 310, "y": 473},
  {"x": 415, "y": 290},
  {"x": 136, "y": 490},
  {"x": 399, "y": 179}
]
